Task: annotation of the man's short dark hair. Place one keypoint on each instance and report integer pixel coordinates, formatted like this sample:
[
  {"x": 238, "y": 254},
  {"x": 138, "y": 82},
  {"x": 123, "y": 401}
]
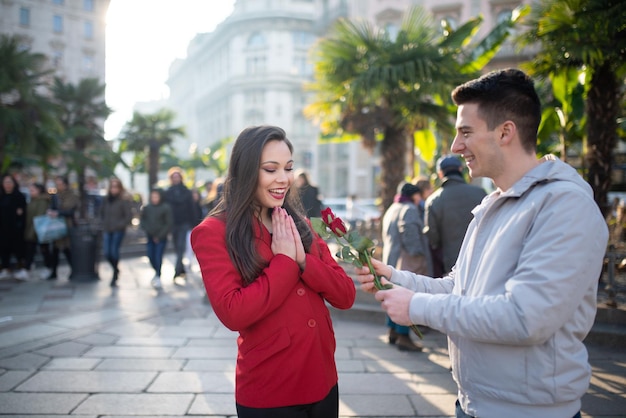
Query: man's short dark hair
[{"x": 502, "y": 95}]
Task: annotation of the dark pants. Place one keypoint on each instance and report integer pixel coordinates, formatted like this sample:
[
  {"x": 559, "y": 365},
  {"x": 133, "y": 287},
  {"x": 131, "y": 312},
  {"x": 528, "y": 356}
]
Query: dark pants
[
  {"x": 54, "y": 258},
  {"x": 11, "y": 244},
  {"x": 31, "y": 250},
  {"x": 326, "y": 408},
  {"x": 155, "y": 252},
  {"x": 179, "y": 239},
  {"x": 461, "y": 414}
]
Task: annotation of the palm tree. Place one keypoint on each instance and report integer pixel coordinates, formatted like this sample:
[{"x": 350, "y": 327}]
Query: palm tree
[
  {"x": 371, "y": 84},
  {"x": 28, "y": 126},
  {"x": 148, "y": 133},
  {"x": 591, "y": 35},
  {"x": 82, "y": 113}
]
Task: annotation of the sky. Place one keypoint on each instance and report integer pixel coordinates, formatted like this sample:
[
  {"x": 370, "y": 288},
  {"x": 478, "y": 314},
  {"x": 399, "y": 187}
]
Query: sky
[{"x": 143, "y": 37}]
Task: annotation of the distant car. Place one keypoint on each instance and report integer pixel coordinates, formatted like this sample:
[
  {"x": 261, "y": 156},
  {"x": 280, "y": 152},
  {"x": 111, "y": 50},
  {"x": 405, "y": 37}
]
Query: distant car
[{"x": 359, "y": 210}]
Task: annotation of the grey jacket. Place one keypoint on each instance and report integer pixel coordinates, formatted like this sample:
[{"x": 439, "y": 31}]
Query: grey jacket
[{"x": 402, "y": 235}]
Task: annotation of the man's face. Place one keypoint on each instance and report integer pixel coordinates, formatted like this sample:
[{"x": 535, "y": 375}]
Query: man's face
[
  {"x": 477, "y": 144},
  {"x": 176, "y": 178}
]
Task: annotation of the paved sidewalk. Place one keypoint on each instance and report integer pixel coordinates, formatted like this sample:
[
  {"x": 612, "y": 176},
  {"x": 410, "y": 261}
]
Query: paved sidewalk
[{"x": 86, "y": 350}]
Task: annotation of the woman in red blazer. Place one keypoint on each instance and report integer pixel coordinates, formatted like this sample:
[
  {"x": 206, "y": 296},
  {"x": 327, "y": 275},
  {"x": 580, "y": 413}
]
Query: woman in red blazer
[{"x": 269, "y": 276}]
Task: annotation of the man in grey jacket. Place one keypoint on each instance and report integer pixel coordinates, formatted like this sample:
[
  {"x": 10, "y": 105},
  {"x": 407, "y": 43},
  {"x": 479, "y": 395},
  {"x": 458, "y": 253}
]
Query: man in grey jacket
[
  {"x": 448, "y": 212},
  {"x": 522, "y": 295}
]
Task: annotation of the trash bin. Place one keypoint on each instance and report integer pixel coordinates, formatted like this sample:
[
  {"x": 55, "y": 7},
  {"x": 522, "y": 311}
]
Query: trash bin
[{"x": 84, "y": 244}]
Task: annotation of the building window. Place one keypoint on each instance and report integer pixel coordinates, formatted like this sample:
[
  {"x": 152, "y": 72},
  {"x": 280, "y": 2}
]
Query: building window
[
  {"x": 256, "y": 40},
  {"x": 88, "y": 30},
  {"x": 303, "y": 39},
  {"x": 255, "y": 97},
  {"x": 88, "y": 63},
  {"x": 24, "y": 16},
  {"x": 301, "y": 66},
  {"x": 57, "y": 24},
  {"x": 392, "y": 31},
  {"x": 57, "y": 58},
  {"x": 255, "y": 65},
  {"x": 88, "y": 5}
]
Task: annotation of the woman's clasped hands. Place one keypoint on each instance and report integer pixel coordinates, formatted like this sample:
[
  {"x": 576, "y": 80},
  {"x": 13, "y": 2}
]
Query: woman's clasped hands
[{"x": 286, "y": 238}]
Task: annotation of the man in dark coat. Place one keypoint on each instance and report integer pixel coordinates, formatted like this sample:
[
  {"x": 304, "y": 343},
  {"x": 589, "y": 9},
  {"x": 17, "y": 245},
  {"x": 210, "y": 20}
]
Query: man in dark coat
[{"x": 448, "y": 212}]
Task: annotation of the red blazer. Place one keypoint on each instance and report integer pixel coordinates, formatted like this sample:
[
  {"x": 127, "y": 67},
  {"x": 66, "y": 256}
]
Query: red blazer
[{"x": 286, "y": 341}]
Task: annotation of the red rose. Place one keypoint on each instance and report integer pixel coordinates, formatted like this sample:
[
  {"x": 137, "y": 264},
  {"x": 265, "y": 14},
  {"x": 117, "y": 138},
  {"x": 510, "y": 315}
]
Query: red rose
[
  {"x": 338, "y": 227},
  {"x": 328, "y": 216}
]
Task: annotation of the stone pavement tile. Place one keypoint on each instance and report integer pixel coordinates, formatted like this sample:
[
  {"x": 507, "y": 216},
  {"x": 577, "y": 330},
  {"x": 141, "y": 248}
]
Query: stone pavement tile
[
  {"x": 39, "y": 403},
  {"x": 374, "y": 406},
  {"x": 143, "y": 404},
  {"x": 91, "y": 381},
  {"x": 98, "y": 339},
  {"x": 350, "y": 366},
  {"x": 429, "y": 404},
  {"x": 133, "y": 329},
  {"x": 130, "y": 352},
  {"x": 188, "y": 331},
  {"x": 207, "y": 352},
  {"x": 194, "y": 382},
  {"x": 209, "y": 365},
  {"x": 141, "y": 364},
  {"x": 223, "y": 332},
  {"x": 89, "y": 319},
  {"x": 210, "y": 321},
  {"x": 12, "y": 378},
  {"x": 26, "y": 361},
  {"x": 377, "y": 383},
  {"x": 66, "y": 349},
  {"x": 604, "y": 405},
  {"x": 26, "y": 333},
  {"x": 58, "y": 416},
  {"x": 155, "y": 341},
  {"x": 72, "y": 363},
  {"x": 213, "y": 404},
  {"x": 421, "y": 365},
  {"x": 214, "y": 342}
]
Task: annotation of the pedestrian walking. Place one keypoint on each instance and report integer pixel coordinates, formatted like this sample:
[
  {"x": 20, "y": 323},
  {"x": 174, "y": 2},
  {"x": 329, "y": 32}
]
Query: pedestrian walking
[
  {"x": 37, "y": 206},
  {"x": 156, "y": 220},
  {"x": 448, "y": 212},
  {"x": 63, "y": 203},
  {"x": 406, "y": 247},
  {"x": 178, "y": 196},
  {"x": 12, "y": 225},
  {"x": 522, "y": 296},
  {"x": 269, "y": 277},
  {"x": 116, "y": 214}
]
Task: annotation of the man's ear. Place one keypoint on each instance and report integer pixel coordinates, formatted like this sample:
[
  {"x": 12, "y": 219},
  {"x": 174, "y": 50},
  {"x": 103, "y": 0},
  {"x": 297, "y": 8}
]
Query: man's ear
[{"x": 507, "y": 132}]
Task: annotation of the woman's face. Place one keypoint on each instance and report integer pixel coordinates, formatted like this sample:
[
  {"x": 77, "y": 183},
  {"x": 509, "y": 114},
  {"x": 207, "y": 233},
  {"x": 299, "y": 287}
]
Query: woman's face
[
  {"x": 7, "y": 184},
  {"x": 34, "y": 191},
  {"x": 115, "y": 188},
  {"x": 275, "y": 174}
]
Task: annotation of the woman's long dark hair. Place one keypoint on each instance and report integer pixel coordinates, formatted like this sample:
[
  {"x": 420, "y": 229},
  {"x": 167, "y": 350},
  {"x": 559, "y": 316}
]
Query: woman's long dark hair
[{"x": 238, "y": 204}]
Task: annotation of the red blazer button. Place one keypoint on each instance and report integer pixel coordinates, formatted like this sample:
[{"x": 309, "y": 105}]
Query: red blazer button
[
  {"x": 300, "y": 291},
  {"x": 312, "y": 323}
]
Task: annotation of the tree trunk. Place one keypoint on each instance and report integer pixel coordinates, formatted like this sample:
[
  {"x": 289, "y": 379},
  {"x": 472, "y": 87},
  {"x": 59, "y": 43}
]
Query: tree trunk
[
  {"x": 603, "y": 105},
  {"x": 393, "y": 156}
]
